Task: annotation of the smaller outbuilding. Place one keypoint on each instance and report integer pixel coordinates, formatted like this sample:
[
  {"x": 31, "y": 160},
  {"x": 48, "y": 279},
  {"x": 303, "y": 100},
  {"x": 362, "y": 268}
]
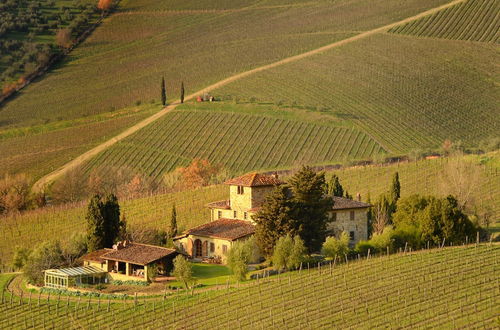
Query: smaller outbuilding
[
  {"x": 132, "y": 261},
  {"x": 66, "y": 277}
]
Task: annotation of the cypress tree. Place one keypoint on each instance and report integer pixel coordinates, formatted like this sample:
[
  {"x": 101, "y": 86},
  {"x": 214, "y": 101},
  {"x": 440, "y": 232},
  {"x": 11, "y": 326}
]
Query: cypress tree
[
  {"x": 394, "y": 193},
  {"x": 310, "y": 207},
  {"x": 395, "y": 188},
  {"x": 182, "y": 92},
  {"x": 112, "y": 223},
  {"x": 334, "y": 187},
  {"x": 163, "y": 92},
  {"x": 95, "y": 224},
  {"x": 173, "y": 223}
]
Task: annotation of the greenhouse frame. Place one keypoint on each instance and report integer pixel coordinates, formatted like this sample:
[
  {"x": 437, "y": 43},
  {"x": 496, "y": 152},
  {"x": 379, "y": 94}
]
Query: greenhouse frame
[{"x": 66, "y": 277}]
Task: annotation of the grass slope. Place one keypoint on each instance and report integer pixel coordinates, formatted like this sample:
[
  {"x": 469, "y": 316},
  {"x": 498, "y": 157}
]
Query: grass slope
[
  {"x": 444, "y": 288},
  {"x": 406, "y": 93},
  {"x": 474, "y": 20},
  {"x": 124, "y": 59},
  {"x": 240, "y": 138}
]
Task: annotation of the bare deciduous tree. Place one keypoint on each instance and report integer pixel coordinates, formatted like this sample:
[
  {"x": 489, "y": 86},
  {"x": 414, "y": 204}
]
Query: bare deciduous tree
[{"x": 460, "y": 178}]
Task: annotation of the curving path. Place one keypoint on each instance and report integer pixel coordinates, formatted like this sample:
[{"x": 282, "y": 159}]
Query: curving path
[{"x": 41, "y": 184}]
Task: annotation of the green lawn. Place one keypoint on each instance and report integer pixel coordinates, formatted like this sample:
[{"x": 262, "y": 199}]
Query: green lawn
[{"x": 208, "y": 274}]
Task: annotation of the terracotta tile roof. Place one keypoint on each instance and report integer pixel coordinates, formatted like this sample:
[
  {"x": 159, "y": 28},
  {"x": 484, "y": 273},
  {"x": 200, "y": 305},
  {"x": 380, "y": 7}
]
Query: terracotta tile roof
[
  {"x": 341, "y": 203},
  {"x": 229, "y": 229},
  {"x": 140, "y": 254},
  {"x": 96, "y": 256},
  {"x": 254, "y": 180},
  {"x": 220, "y": 205}
]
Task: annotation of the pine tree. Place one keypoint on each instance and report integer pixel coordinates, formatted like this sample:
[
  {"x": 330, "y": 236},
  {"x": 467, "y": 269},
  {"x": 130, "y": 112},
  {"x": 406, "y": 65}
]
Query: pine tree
[
  {"x": 334, "y": 187},
  {"x": 311, "y": 207},
  {"x": 163, "y": 92},
  {"x": 112, "y": 223},
  {"x": 274, "y": 220},
  {"x": 95, "y": 224},
  {"x": 182, "y": 92},
  {"x": 173, "y": 223}
]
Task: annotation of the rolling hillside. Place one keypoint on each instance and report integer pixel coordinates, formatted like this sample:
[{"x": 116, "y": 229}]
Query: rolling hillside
[
  {"x": 395, "y": 91},
  {"x": 124, "y": 59},
  {"x": 405, "y": 92},
  {"x": 424, "y": 177},
  {"x": 442, "y": 288},
  {"x": 237, "y": 137},
  {"x": 474, "y": 20}
]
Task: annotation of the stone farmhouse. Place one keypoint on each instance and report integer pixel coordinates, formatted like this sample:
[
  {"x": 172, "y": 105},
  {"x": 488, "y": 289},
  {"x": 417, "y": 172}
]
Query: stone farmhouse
[{"x": 231, "y": 220}]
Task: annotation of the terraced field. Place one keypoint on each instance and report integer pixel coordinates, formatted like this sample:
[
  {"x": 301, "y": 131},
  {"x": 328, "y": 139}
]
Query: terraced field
[
  {"x": 59, "y": 223},
  {"x": 474, "y": 20},
  {"x": 240, "y": 142},
  {"x": 405, "y": 92},
  {"x": 442, "y": 288}
]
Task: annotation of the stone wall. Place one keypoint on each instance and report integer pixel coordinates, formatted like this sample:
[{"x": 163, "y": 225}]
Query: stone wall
[{"x": 343, "y": 222}]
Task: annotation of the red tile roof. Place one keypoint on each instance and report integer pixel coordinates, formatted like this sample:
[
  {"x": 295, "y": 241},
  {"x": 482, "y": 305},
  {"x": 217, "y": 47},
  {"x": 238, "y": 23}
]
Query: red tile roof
[
  {"x": 220, "y": 205},
  {"x": 341, "y": 203},
  {"x": 135, "y": 253},
  {"x": 229, "y": 229},
  {"x": 254, "y": 180},
  {"x": 96, "y": 256}
]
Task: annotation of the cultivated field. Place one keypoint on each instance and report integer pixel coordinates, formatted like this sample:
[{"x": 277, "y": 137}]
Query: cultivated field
[
  {"x": 39, "y": 149},
  {"x": 405, "y": 92},
  {"x": 474, "y": 20},
  {"x": 422, "y": 177},
  {"x": 59, "y": 223},
  {"x": 441, "y": 288},
  {"x": 123, "y": 60},
  {"x": 481, "y": 176},
  {"x": 239, "y": 138}
]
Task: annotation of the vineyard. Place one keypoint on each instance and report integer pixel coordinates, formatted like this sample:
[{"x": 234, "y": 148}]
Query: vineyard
[
  {"x": 113, "y": 69},
  {"x": 474, "y": 20},
  {"x": 239, "y": 142},
  {"x": 407, "y": 93},
  {"x": 40, "y": 149},
  {"x": 59, "y": 223},
  {"x": 426, "y": 177},
  {"x": 423, "y": 177},
  {"x": 440, "y": 288}
]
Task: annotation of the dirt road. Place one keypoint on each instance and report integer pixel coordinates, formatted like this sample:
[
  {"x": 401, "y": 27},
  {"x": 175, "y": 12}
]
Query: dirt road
[{"x": 41, "y": 184}]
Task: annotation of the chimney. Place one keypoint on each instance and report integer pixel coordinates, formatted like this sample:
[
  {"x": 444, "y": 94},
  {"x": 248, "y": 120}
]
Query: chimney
[{"x": 358, "y": 197}]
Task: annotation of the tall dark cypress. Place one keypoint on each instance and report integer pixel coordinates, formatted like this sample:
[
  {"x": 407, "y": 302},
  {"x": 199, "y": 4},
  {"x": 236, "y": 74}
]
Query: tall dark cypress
[
  {"x": 112, "y": 223},
  {"x": 95, "y": 224},
  {"x": 182, "y": 92},
  {"x": 163, "y": 92},
  {"x": 173, "y": 223}
]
